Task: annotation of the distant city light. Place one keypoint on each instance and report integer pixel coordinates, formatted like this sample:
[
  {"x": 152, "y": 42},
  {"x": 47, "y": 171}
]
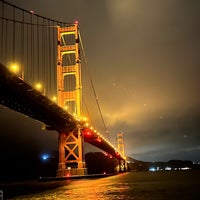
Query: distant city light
[
  {"x": 185, "y": 168},
  {"x": 152, "y": 169},
  {"x": 45, "y": 157}
]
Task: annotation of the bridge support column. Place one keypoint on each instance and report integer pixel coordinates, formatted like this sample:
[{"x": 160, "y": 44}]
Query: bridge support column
[
  {"x": 122, "y": 166},
  {"x": 69, "y": 91},
  {"x": 71, "y": 160},
  {"x": 61, "y": 147}
]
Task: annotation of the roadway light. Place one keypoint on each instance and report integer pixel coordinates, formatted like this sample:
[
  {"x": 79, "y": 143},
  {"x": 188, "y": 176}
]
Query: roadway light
[
  {"x": 14, "y": 68},
  {"x": 84, "y": 119},
  {"x": 54, "y": 99},
  {"x": 40, "y": 88}
]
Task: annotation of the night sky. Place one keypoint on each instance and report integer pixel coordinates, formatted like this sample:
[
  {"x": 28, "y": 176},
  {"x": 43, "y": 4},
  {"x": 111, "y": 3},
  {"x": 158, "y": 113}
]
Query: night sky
[{"x": 144, "y": 57}]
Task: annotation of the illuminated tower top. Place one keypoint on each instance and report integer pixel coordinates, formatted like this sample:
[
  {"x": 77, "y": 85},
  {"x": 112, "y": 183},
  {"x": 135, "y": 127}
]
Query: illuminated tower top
[
  {"x": 69, "y": 86},
  {"x": 120, "y": 143}
]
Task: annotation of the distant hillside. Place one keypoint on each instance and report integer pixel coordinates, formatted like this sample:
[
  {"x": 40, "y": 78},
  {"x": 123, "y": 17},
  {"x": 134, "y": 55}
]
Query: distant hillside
[{"x": 137, "y": 165}]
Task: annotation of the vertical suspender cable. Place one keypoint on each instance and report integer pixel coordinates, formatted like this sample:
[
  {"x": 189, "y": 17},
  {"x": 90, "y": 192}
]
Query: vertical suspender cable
[
  {"x": 22, "y": 46},
  {"x": 45, "y": 57},
  {"x": 34, "y": 75},
  {"x": 31, "y": 49},
  {"x": 43, "y": 51},
  {"x": 6, "y": 39},
  {"x": 88, "y": 113},
  {"x": 27, "y": 52},
  {"x": 2, "y": 31},
  {"x": 47, "y": 54},
  {"x": 50, "y": 57},
  {"x": 13, "y": 34},
  {"x": 54, "y": 59},
  {"x": 38, "y": 50}
]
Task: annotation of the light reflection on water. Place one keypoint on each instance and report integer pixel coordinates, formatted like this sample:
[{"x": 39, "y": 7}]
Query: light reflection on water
[
  {"x": 128, "y": 186},
  {"x": 96, "y": 189}
]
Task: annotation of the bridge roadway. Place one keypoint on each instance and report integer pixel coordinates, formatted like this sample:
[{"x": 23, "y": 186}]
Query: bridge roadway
[{"x": 18, "y": 95}]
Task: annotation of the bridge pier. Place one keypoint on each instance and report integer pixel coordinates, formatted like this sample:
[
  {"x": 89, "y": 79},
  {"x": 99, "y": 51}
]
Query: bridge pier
[
  {"x": 122, "y": 166},
  {"x": 61, "y": 165},
  {"x": 70, "y": 155}
]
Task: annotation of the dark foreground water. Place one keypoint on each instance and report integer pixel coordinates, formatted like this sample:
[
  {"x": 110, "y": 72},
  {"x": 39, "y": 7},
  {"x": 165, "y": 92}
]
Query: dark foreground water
[{"x": 134, "y": 185}]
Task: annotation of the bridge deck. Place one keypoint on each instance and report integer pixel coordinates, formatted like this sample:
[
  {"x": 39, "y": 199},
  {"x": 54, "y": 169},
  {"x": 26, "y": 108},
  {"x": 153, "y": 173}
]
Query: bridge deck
[{"x": 22, "y": 97}]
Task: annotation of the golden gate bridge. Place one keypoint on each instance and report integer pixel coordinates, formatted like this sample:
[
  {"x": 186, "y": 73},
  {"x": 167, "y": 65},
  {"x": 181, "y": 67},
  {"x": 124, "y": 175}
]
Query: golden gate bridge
[{"x": 41, "y": 76}]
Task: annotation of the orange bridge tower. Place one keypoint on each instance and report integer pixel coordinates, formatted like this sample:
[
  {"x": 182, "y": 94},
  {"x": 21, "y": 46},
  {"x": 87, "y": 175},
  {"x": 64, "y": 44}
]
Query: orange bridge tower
[
  {"x": 69, "y": 92},
  {"x": 121, "y": 149}
]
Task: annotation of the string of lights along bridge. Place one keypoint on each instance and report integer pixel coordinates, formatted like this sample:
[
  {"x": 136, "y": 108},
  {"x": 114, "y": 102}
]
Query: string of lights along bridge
[{"x": 50, "y": 67}]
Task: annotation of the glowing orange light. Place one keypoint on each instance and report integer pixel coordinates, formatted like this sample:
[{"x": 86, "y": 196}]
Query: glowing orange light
[
  {"x": 14, "y": 68},
  {"x": 54, "y": 98},
  {"x": 117, "y": 153},
  {"x": 88, "y": 133},
  {"x": 98, "y": 140},
  {"x": 40, "y": 88}
]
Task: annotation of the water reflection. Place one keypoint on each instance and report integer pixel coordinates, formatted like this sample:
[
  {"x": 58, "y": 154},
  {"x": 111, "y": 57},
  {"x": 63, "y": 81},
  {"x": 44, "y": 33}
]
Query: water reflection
[
  {"x": 96, "y": 189},
  {"x": 128, "y": 186}
]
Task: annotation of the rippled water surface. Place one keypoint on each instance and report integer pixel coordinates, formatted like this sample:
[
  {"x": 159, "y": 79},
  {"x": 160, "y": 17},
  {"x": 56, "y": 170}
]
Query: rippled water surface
[{"x": 138, "y": 185}]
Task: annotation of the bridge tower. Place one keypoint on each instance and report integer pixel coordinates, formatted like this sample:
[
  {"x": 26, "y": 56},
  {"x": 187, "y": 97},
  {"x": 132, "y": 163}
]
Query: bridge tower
[
  {"x": 69, "y": 92},
  {"x": 120, "y": 143},
  {"x": 121, "y": 149}
]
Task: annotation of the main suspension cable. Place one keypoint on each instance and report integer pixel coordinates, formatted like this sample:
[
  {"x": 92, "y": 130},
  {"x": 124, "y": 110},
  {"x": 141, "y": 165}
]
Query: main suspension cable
[{"x": 92, "y": 84}]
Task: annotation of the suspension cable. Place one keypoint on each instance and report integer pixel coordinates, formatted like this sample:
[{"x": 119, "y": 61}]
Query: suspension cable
[
  {"x": 26, "y": 11},
  {"x": 92, "y": 84},
  {"x": 88, "y": 113}
]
